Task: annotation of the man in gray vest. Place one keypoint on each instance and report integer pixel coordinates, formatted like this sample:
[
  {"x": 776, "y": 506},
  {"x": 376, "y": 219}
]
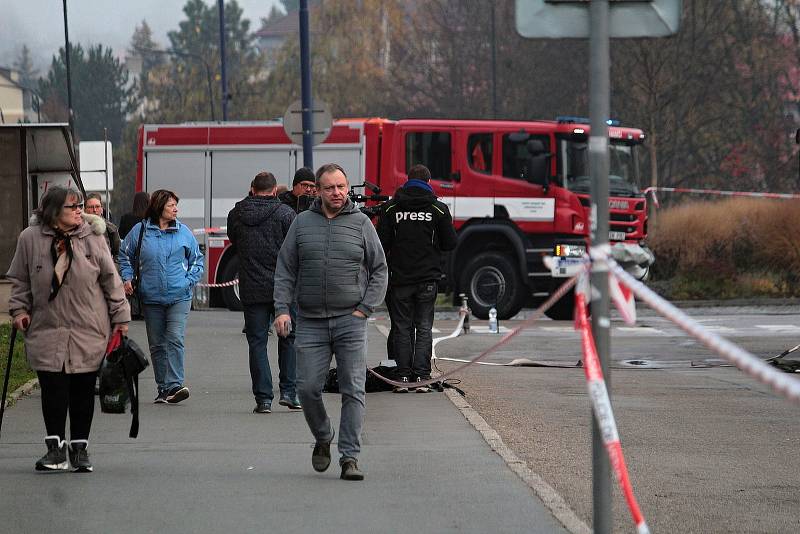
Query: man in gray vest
[{"x": 332, "y": 264}]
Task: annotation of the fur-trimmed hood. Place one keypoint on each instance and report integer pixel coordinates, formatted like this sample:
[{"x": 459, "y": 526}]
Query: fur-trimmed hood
[{"x": 95, "y": 222}]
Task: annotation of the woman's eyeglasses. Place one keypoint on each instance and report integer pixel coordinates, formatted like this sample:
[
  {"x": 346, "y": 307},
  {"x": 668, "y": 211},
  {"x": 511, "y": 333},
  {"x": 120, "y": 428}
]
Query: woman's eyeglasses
[{"x": 74, "y": 207}]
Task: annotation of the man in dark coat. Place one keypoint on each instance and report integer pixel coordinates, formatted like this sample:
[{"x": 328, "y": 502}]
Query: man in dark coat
[
  {"x": 257, "y": 227},
  {"x": 303, "y": 190},
  {"x": 414, "y": 229}
]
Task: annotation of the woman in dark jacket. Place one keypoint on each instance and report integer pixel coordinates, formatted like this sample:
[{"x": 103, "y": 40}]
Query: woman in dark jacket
[
  {"x": 140, "y": 202},
  {"x": 67, "y": 297}
]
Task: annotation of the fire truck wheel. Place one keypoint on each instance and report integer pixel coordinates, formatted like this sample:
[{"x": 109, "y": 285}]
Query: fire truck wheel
[
  {"x": 491, "y": 279},
  {"x": 564, "y": 308},
  {"x": 231, "y": 294}
]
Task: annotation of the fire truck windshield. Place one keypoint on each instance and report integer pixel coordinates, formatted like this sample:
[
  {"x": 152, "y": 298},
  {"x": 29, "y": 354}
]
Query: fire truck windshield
[{"x": 623, "y": 168}]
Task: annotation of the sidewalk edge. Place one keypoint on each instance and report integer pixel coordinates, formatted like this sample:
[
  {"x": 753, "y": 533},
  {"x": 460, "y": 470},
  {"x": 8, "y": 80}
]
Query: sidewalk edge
[
  {"x": 24, "y": 389},
  {"x": 548, "y": 495}
]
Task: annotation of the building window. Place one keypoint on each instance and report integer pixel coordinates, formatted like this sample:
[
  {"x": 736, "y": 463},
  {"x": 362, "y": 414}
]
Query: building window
[{"x": 431, "y": 149}]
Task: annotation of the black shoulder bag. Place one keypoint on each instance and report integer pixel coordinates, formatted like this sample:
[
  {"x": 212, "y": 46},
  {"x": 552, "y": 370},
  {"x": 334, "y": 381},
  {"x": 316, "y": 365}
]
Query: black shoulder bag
[
  {"x": 119, "y": 379},
  {"x": 134, "y": 299}
]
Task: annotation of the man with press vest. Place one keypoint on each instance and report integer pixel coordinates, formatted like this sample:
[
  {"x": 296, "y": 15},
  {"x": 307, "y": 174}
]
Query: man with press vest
[
  {"x": 332, "y": 265},
  {"x": 414, "y": 229}
]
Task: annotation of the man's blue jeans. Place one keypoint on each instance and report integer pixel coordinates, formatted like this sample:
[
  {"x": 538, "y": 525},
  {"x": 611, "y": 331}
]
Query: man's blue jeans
[
  {"x": 166, "y": 327},
  {"x": 315, "y": 342},
  {"x": 257, "y": 321}
]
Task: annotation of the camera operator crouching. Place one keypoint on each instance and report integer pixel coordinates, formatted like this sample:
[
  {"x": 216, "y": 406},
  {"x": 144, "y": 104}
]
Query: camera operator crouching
[{"x": 414, "y": 229}]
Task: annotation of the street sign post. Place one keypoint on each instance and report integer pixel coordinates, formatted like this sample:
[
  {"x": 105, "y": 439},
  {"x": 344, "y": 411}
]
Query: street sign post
[
  {"x": 322, "y": 121},
  {"x": 559, "y": 19},
  {"x": 598, "y": 20}
]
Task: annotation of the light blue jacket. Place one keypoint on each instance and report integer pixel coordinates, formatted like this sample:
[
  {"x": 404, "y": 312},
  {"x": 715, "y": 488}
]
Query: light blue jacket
[{"x": 170, "y": 262}]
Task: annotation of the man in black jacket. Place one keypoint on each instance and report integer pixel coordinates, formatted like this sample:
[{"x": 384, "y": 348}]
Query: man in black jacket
[
  {"x": 303, "y": 190},
  {"x": 414, "y": 229},
  {"x": 257, "y": 226}
]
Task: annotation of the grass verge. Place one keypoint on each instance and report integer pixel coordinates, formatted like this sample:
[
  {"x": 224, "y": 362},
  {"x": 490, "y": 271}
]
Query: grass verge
[{"x": 20, "y": 372}]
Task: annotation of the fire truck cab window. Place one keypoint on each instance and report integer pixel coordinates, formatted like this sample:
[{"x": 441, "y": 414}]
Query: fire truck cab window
[
  {"x": 517, "y": 160},
  {"x": 479, "y": 152},
  {"x": 431, "y": 149}
]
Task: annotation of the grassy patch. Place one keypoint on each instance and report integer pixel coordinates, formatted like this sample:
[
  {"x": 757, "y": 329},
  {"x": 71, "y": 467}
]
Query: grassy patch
[{"x": 20, "y": 372}]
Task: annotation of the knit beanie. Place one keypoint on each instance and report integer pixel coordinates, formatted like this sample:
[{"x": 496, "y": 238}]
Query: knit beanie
[{"x": 303, "y": 174}]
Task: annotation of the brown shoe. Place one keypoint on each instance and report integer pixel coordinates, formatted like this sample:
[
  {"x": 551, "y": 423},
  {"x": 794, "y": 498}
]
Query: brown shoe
[{"x": 350, "y": 470}]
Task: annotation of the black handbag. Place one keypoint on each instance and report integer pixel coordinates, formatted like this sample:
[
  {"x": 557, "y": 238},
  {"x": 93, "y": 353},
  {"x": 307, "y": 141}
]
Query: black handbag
[
  {"x": 134, "y": 299},
  {"x": 119, "y": 378}
]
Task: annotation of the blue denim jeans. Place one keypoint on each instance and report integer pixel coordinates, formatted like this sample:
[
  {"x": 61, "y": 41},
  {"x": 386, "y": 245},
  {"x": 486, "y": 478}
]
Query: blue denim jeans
[
  {"x": 257, "y": 321},
  {"x": 166, "y": 327},
  {"x": 317, "y": 340}
]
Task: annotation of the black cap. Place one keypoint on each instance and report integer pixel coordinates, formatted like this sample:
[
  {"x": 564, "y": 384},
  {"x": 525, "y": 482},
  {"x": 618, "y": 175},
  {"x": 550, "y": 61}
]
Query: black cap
[{"x": 303, "y": 174}]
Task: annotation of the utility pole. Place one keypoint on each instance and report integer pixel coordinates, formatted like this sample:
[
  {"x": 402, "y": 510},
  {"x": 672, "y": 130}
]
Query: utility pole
[
  {"x": 68, "y": 53},
  {"x": 598, "y": 166},
  {"x": 305, "y": 87},
  {"x": 494, "y": 61},
  {"x": 221, "y": 4}
]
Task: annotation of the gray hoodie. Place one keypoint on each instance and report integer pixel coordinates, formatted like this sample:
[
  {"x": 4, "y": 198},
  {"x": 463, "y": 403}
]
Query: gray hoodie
[{"x": 332, "y": 266}]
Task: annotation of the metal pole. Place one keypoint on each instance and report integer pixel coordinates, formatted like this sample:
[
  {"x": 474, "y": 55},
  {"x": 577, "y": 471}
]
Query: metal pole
[
  {"x": 494, "y": 63},
  {"x": 598, "y": 163},
  {"x": 224, "y": 80},
  {"x": 105, "y": 155},
  {"x": 305, "y": 87},
  {"x": 70, "y": 118}
]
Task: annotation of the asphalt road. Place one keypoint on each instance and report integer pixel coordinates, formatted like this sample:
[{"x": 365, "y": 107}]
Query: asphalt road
[{"x": 709, "y": 449}]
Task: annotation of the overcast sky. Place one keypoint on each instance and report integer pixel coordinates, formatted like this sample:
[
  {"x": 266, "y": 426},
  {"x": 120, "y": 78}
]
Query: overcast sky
[{"x": 39, "y": 24}]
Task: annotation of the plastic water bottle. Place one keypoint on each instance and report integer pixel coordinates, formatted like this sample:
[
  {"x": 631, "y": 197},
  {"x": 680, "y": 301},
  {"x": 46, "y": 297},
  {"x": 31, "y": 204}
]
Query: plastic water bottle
[{"x": 493, "y": 321}]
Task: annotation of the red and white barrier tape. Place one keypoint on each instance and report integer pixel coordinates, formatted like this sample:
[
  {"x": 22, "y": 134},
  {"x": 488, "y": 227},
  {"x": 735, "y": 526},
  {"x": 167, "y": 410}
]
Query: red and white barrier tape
[
  {"x": 215, "y": 230},
  {"x": 535, "y": 316},
  {"x": 752, "y": 194},
  {"x": 604, "y": 414},
  {"x": 782, "y": 383},
  {"x": 234, "y": 282}
]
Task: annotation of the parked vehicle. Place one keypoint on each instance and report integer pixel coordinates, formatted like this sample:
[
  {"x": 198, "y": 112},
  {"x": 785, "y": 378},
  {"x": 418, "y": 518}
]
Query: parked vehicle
[{"x": 518, "y": 191}]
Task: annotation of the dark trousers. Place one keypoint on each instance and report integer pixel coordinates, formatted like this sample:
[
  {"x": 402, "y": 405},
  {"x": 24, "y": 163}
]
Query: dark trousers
[
  {"x": 411, "y": 311},
  {"x": 257, "y": 321},
  {"x": 62, "y": 392}
]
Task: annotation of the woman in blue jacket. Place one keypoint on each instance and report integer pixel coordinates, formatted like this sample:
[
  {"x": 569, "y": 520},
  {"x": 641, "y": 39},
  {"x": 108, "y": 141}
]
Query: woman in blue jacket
[{"x": 170, "y": 264}]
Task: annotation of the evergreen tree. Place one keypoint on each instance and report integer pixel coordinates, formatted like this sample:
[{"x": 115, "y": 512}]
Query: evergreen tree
[{"x": 101, "y": 95}]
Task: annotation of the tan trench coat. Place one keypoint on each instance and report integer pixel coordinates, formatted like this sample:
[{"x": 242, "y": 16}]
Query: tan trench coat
[{"x": 71, "y": 331}]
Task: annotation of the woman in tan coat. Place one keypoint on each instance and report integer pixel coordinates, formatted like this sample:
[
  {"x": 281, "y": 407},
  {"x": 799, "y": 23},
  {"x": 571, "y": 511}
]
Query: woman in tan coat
[{"x": 67, "y": 297}]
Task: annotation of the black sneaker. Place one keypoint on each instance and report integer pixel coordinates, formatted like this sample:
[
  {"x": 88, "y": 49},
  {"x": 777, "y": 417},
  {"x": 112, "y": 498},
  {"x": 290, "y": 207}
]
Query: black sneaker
[
  {"x": 56, "y": 457},
  {"x": 422, "y": 389},
  {"x": 79, "y": 456},
  {"x": 263, "y": 407},
  {"x": 321, "y": 457},
  {"x": 404, "y": 388},
  {"x": 350, "y": 470},
  {"x": 161, "y": 398},
  {"x": 177, "y": 394},
  {"x": 293, "y": 403}
]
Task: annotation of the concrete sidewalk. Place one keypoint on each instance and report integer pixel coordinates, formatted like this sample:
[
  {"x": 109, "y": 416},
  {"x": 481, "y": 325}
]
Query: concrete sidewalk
[{"x": 210, "y": 465}]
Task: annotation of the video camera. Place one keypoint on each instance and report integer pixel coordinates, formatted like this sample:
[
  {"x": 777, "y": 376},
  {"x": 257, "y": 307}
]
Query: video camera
[{"x": 369, "y": 211}]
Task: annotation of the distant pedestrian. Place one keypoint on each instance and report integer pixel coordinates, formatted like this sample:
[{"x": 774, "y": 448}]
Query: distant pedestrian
[
  {"x": 257, "y": 227},
  {"x": 94, "y": 206},
  {"x": 414, "y": 229},
  {"x": 68, "y": 298},
  {"x": 140, "y": 202},
  {"x": 332, "y": 264},
  {"x": 170, "y": 264},
  {"x": 303, "y": 190}
]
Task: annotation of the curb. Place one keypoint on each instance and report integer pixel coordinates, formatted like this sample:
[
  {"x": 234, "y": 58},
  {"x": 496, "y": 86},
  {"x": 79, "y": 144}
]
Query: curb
[
  {"x": 549, "y": 496},
  {"x": 25, "y": 389}
]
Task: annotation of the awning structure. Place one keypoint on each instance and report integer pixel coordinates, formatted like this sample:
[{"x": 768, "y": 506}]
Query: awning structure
[{"x": 32, "y": 158}]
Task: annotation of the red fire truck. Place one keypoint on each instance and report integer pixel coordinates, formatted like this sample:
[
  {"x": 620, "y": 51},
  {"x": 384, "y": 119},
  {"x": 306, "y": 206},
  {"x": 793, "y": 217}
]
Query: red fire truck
[{"x": 518, "y": 191}]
